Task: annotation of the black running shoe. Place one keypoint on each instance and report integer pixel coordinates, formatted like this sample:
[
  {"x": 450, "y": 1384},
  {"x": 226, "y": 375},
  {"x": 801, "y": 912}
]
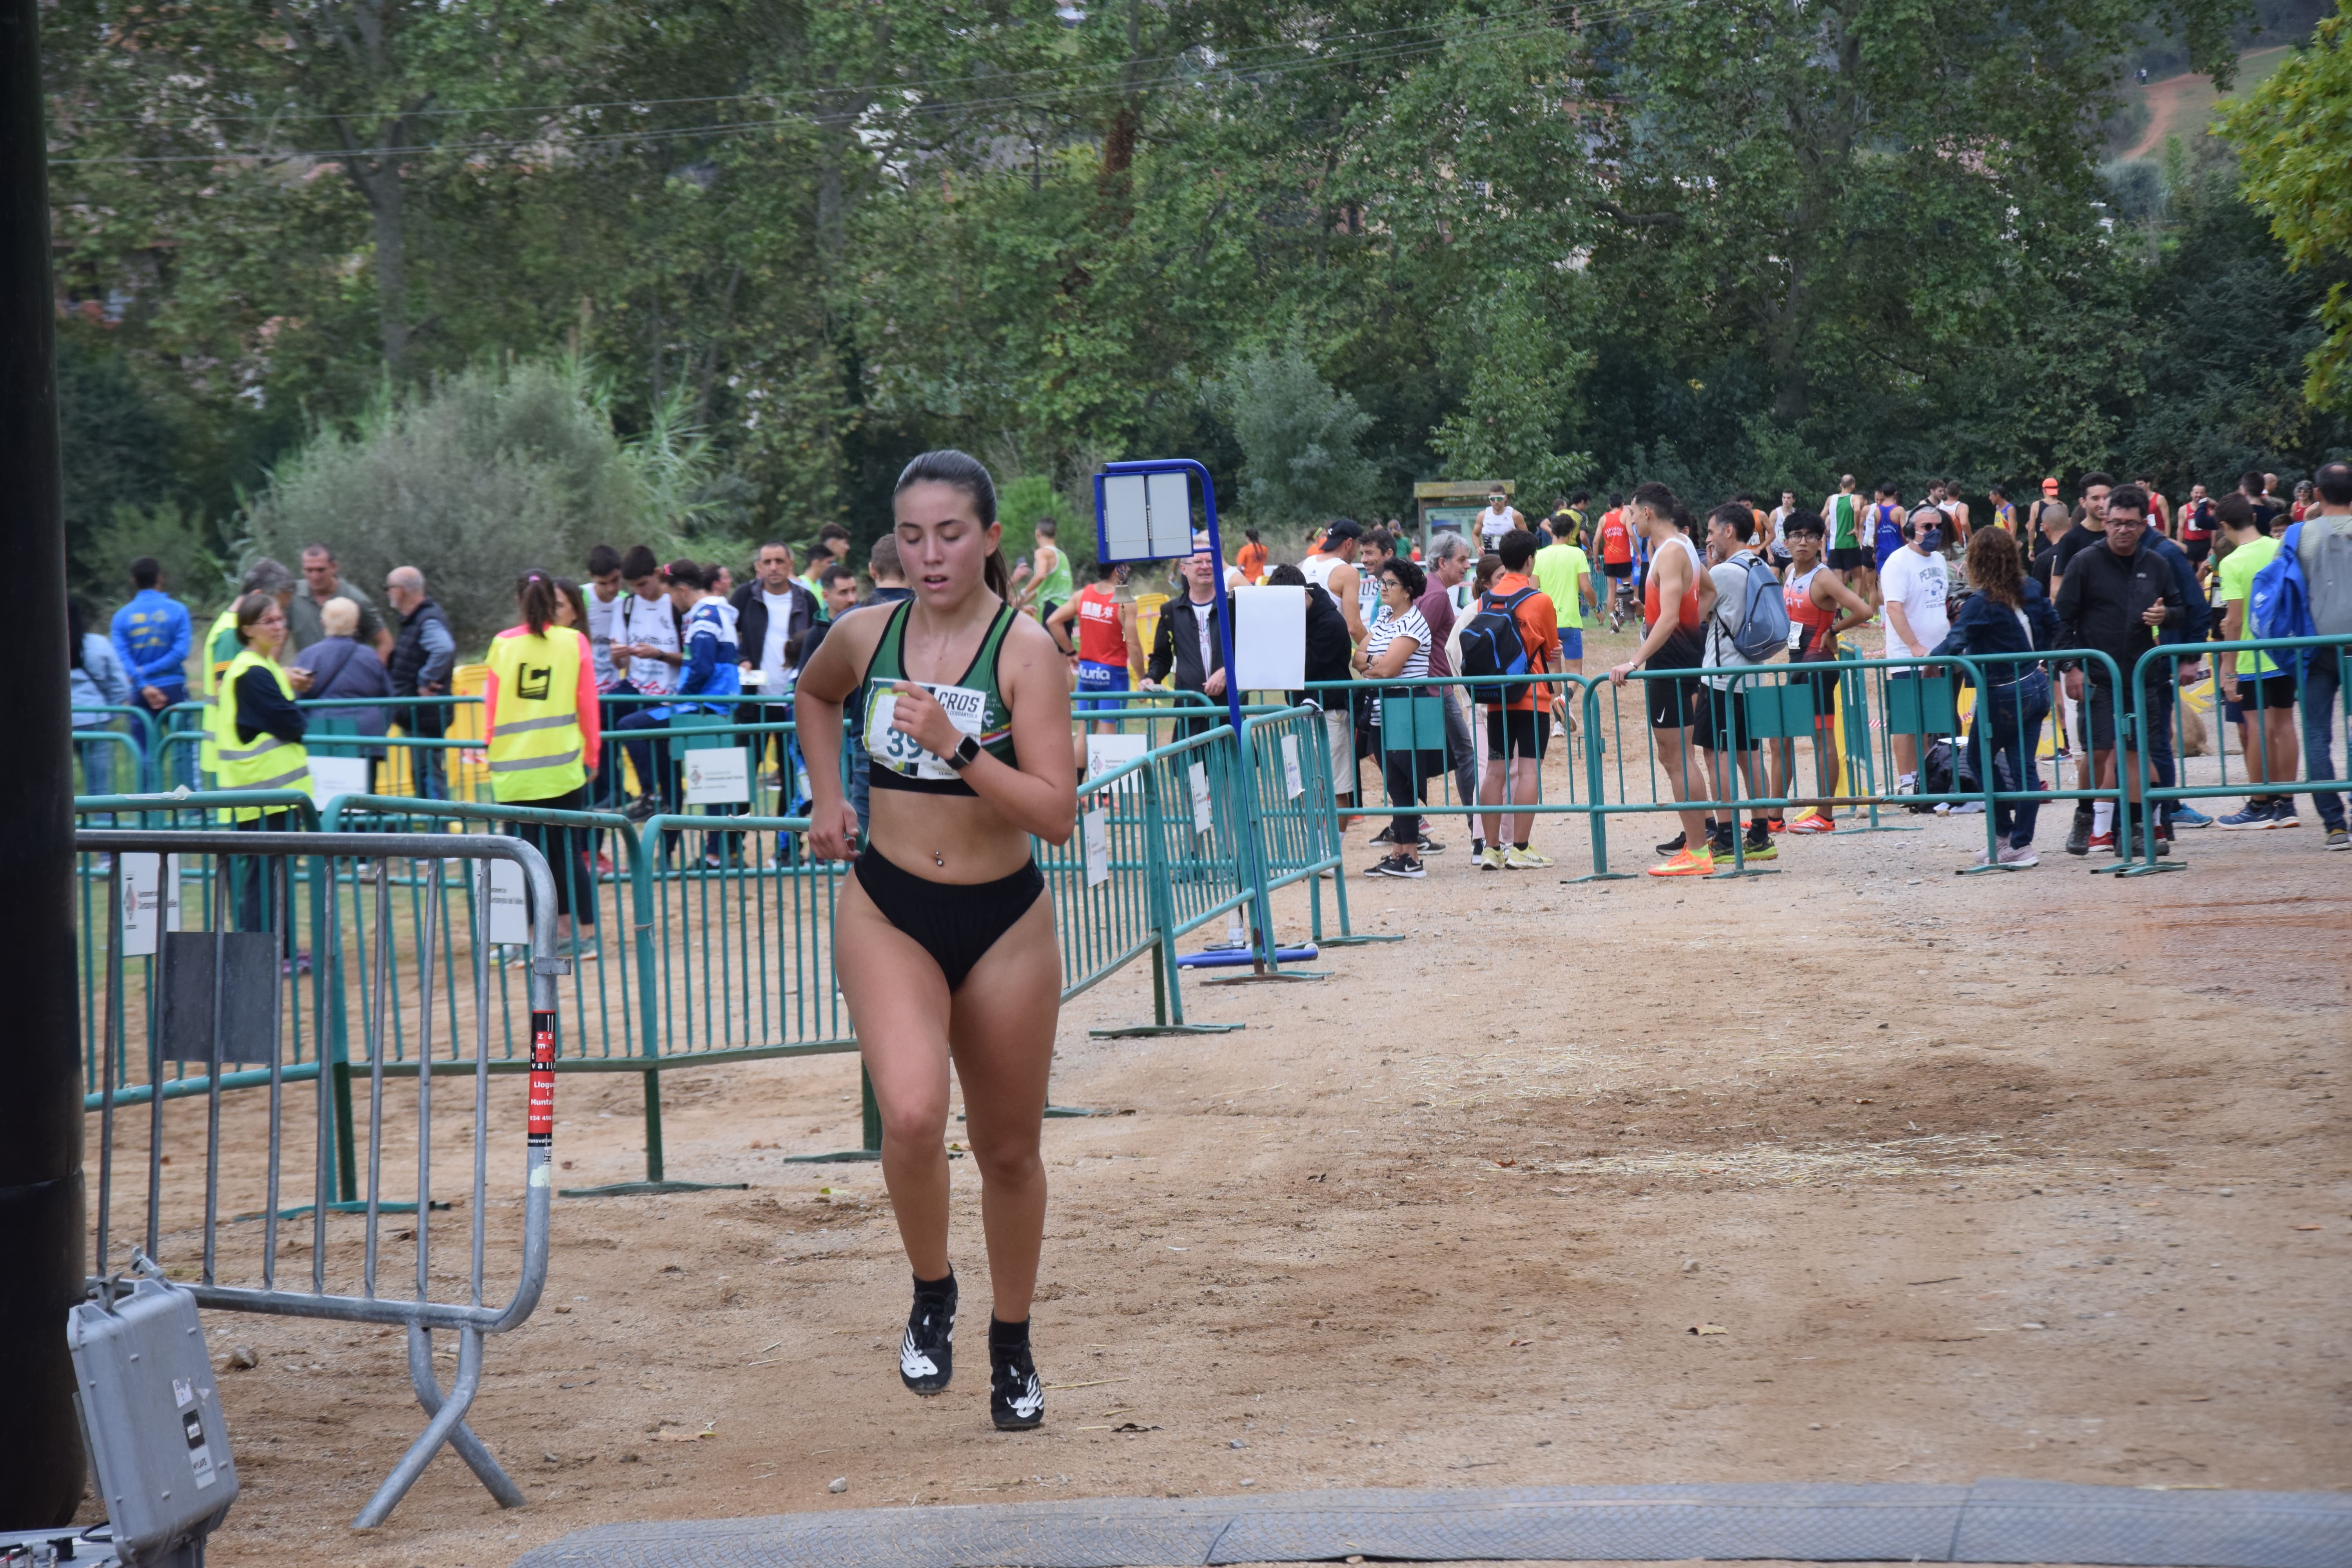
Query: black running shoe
[
  {"x": 1673, "y": 845},
  {"x": 1016, "y": 1400},
  {"x": 927, "y": 1355}
]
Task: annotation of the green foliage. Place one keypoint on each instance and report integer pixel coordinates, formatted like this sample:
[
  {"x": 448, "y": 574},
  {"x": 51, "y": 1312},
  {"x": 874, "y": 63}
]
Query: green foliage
[
  {"x": 1297, "y": 436},
  {"x": 473, "y": 478},
  {"x": 179, "y": 540},
  {"x": 2292, "y": 133},
  {"x": 1519, "y": 381}
]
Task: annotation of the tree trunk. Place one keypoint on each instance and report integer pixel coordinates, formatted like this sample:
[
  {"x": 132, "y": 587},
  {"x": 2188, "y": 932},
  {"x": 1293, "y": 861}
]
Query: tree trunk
[{"x": 391, "y": 265}]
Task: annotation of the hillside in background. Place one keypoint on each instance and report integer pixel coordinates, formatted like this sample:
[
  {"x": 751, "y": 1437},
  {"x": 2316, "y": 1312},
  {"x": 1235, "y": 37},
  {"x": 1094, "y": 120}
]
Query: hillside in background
[{"x": 2182, "y": 105}]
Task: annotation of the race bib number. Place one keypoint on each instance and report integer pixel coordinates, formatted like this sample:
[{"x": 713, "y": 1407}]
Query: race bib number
[
  {"x": 897, "y": 750},
  {"x": 1796, "y": 636}
]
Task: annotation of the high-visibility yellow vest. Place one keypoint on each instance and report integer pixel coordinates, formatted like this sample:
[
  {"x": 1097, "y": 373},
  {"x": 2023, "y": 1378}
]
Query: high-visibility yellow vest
[
  {"x": 536, "y": 750},
  {"x": 208, "y": 672},
  {"x": 264, "y": 762}
]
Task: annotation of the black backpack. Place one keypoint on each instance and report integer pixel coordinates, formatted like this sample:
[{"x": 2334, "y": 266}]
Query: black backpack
[{"x": 1492, "y": 647}]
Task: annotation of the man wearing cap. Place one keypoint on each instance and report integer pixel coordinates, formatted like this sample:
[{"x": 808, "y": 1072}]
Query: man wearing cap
[{"x": 1331, "y": 566}]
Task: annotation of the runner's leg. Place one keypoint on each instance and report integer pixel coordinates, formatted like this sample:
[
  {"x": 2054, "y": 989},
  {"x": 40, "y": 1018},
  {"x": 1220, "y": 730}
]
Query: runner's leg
[
  {"x": 1002, "y": 1031},
  {"x": 899, "y": 1004}
]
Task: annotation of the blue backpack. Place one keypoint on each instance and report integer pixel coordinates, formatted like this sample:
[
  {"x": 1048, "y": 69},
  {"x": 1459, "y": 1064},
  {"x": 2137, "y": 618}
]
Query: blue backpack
[
  {"x": 2278, "y": 605},
  {"x": 1492, "y": 647},
  {"x": 1763, "y": 614}
]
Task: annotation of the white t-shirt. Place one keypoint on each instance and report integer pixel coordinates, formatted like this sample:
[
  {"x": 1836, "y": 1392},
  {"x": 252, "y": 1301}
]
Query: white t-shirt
[
  {"x": 600, "y": 635},
  {"x": 651, "y": 624},
  {"x": 1921, "y": 583},
  {"x": 1493, "y": 526},
  {"x": 771, "y": 650},
  {"x": 1780, "y": 540}
]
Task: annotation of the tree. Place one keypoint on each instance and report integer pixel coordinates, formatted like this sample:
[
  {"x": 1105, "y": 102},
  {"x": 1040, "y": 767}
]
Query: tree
[
  {"x": 2292, "y": 132},
  {"x": 1297, "y": 436},
  {"x": 473, "y": 478}
]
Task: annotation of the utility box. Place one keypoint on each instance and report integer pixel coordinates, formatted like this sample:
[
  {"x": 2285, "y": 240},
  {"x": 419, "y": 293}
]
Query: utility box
[{"x": 151, "y": 1416}]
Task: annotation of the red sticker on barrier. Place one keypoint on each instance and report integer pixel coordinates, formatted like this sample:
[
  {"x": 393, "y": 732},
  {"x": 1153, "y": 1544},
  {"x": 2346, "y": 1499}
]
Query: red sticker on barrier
[{"x": 542, "y": 1123}]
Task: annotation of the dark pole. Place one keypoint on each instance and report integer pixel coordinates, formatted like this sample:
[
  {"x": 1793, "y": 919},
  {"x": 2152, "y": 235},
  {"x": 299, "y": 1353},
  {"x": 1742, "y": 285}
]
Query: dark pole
[{"x": 42, "y": 1250}]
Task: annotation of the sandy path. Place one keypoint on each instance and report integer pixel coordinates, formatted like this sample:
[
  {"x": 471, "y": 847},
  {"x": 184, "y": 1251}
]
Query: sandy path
[{"x": 2038, "y": 1175}]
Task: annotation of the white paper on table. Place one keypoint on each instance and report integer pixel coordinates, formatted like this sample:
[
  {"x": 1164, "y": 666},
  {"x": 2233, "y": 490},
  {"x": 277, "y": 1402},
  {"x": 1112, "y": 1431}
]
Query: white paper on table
[
  {"x": 1270, "y": 638},
  {"x": 1202, "y": 817},
  {"x": 332, "y": 776},
  {"x": 1105, "y": 752},
  {"x": 1292, "y": 779},
  {"x": 498, "y": 895},
  {"x": 718, "y": 775},
  {"x": 143, "y": 904},
  {"x": 1097, "y": 833}
]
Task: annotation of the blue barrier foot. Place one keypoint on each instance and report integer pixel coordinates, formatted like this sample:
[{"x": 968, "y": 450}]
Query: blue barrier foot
[
  {"x": 1151, "y": 1031},
  {"x": 653, "y": 1189},
  {"x": 345, "y": 1206},
  {"x": 1270, "y": 974}
]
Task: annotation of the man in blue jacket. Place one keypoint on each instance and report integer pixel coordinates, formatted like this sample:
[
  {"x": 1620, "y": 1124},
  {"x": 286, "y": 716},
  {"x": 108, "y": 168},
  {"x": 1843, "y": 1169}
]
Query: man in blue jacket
[
  {"x": 151, "y": 637},
  {"x": 2191, "y": 629}
]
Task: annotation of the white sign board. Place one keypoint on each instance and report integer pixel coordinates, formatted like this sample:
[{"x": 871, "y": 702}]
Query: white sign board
[
  {"x": 1202, "y": 817},
  {"x": 1292, "y": 779},
  {"x": 332, "y": 776},
  {"x": 1270, "y": 638},
  {"x": 718, "y": 775},
  {"x": 143, "y": 904},
  {"x": 1097, "y": 833},
  {"x": 498, "y": 895},
  {"x": 1105, "y": 752}
]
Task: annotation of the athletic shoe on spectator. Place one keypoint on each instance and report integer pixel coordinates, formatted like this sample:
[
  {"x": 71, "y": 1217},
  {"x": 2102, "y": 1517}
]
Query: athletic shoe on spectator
[
  {"x": 2283, "y": 813},
  {"x": 1517, "y": 859},
  {"x": 1684, "y": 865},
  {"x": 1812, "y": 822},
  {"x": 2018, "y": 855},
  {"x": 1759, "y": 843},
  {"x": 2336, "y": 838},
  {"x": 2096, "y": 843},
  {"x": 1406, "y": 866},
  {"x": 2254, "y": 816},
  {"x": 2187, "y": 815},
  {"x": 1429, "y": 845},
  {"x": 2078, "y": 836},
  {"x": 1490, "y": 858},
  {"x": 1676, "y": 844},
  {"x": 1386, "y": 834}
]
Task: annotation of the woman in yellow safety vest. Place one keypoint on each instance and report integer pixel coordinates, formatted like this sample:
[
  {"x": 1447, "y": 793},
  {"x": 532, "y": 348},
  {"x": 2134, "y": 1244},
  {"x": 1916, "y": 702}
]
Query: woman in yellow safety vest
[
  {"x": 256, "y": 745},
  {"x": 543, "y": 738}
]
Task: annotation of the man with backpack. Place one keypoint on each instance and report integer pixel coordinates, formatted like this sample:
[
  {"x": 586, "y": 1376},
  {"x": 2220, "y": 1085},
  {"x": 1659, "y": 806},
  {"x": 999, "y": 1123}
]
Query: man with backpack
[
  {"x": 1747, "y": 627},
  {"x": 2319, "y": 551},
  {"x": 1514, "y": 632}
]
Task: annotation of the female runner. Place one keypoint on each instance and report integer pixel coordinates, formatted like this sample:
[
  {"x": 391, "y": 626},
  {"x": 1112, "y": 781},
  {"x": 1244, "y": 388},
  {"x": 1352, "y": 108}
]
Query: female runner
[{"x": 942, "y": 937}]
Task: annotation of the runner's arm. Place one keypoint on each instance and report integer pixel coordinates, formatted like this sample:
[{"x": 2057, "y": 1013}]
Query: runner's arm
[
  {"x": 1041, "y": 795},
  {"x": 1857, "y": 608},
  {"x": 1064, "y": 613}
]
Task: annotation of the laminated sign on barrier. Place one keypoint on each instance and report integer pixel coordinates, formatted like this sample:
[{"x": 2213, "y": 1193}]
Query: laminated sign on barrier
[
  {"x": 499, "y": 891},
  {"x": 718, "y": 776},
  {"x": 150, "y": 903}
]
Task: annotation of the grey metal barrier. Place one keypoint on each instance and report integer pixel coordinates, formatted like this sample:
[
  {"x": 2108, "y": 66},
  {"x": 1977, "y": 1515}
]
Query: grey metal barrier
[{"x": 218, "y": 994}]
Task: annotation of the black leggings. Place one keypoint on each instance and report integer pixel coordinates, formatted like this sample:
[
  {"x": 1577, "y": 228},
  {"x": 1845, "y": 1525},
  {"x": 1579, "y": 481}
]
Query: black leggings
[
  {"x": 955, "y": 923},
  {"x": 566, "y": 850}
]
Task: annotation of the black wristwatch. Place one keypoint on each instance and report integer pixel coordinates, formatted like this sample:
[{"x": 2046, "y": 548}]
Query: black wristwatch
[{"x": 967, "y": 753}]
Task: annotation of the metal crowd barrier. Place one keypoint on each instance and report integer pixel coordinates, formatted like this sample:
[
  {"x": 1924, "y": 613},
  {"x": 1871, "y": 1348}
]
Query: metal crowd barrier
[
  {"x": 2315, "y": 662},
  {"x": 226, "y": 989}
]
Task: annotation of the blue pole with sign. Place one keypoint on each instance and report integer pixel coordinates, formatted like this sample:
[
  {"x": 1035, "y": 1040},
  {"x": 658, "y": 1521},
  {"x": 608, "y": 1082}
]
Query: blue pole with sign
[{"x": 1143, "y": 512}]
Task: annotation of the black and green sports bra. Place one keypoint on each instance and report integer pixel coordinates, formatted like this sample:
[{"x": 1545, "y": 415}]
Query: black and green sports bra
[{"x": 973, "y": 704}]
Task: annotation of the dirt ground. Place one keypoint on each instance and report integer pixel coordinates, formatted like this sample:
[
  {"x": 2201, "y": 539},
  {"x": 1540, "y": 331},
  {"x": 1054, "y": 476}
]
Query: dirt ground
[{"x": 1860, "y": 1171}]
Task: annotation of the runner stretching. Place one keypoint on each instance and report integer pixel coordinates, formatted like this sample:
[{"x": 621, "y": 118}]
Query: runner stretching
[
  {"x": 944, "y": 941},
  {"x": 1675, "y": 600}
]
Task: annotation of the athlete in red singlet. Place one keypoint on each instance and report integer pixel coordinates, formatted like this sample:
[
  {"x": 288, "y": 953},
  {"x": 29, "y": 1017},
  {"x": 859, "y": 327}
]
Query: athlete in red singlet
[
  {"x": 1617, "y": 562},
  {"x": 1105, "y": 639},
  {"x": 1820, "y": 606}
]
